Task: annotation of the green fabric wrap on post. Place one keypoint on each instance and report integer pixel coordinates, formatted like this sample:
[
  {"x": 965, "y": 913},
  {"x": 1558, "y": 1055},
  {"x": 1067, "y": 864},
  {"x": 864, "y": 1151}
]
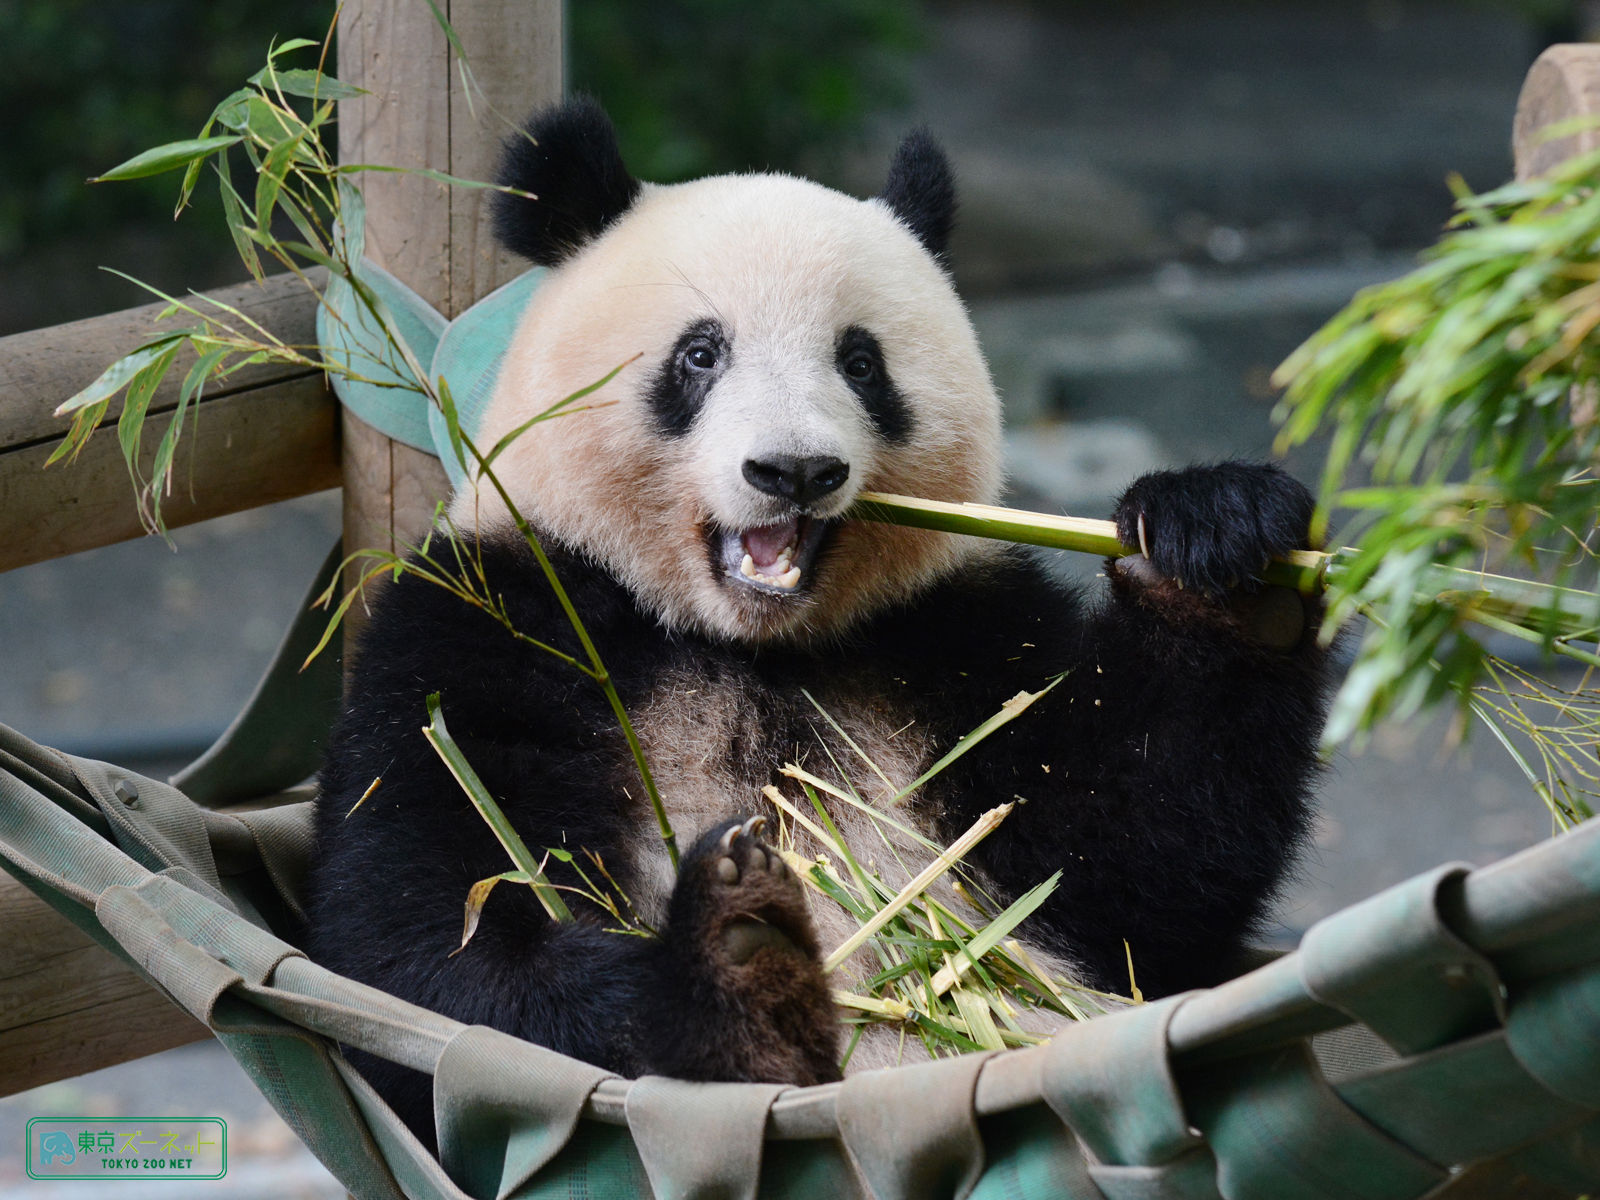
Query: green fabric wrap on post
[{"x": 465, "y": 354}]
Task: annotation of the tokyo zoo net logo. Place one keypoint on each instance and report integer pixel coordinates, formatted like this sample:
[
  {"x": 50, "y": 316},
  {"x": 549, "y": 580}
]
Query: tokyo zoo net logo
[{"x": 137, "y": 1148}]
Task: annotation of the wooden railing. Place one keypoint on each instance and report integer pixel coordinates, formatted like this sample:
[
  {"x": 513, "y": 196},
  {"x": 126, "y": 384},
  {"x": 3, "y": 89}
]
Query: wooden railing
[
  {"x": 66, "y": 1005},
  {"x": 271, "y": 434}
]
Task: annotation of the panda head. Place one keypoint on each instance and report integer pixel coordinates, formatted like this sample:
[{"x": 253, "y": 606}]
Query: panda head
[{"x": 788, "y": 347}]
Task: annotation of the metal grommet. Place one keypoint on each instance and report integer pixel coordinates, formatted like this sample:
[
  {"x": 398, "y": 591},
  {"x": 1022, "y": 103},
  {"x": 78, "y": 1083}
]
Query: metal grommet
[{"x": 128, "y": 792}]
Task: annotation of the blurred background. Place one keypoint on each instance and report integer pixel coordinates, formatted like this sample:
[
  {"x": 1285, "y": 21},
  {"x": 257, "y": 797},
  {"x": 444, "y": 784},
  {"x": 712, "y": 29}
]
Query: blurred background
[{"x": 1159, "y": 200}]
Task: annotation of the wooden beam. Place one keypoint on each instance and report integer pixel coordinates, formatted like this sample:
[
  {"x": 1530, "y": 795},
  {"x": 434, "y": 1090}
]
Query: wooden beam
[
  {"x": 434, "y": 238},
  {"x": 1564, "y": 82},
  {"x": 270, "y": 433},
  {"x": 42, "y": 368},
  {"x": 67, "y": 1005},
  {"x": 250, "y": 448}
]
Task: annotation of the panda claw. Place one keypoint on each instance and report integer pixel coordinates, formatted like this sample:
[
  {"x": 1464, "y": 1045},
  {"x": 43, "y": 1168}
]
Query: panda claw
[{"x": 1144, "y": 545}]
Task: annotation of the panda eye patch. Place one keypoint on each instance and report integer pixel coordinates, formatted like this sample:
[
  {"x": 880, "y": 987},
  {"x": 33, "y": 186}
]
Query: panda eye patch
[
  {"x": 860, "y": 360},
  {"x": 686, "y": 376}
]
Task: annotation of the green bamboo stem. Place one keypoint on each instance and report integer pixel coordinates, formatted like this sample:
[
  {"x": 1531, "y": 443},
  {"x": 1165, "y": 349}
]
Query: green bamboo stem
[
  {"x": 1495, "y": 601},
  {"x": 1302, "y": 570},
  {"x": 444, "y": 745},
  {"x": 596, "y": 669}
]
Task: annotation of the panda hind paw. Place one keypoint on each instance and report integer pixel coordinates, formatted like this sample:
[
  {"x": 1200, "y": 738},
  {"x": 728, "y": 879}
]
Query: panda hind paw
[{"x": 738, "y": 924}]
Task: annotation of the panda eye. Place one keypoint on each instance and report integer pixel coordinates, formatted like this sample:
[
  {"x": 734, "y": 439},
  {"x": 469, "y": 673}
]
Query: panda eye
[
  {"x": 860, "y": 368},
  {"x": 701, "y": 358}
]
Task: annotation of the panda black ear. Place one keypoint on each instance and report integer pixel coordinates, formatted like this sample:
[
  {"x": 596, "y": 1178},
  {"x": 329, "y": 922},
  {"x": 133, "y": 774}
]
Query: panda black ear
[
  {"x": 922, "y": 191},
  {"x": 567, "y": 156}
]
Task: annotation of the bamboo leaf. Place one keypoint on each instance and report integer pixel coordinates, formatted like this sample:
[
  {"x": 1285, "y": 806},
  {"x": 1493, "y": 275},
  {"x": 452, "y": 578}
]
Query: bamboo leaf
[
  {"x": 166, "y": 158},
  {"x": 478, "y": 896},
  {"x": 116, "y": 376},
  {"x": 1009, "y": 711},
  {"x": 291, "y": 44},
  {"x": 559, "y": 408},
  {"x": 995, "y": 932},
  {"x": 84, "y": 422},
  {"x": 439, "y": 738},
  {"x": 430, "y": 173},
  {"x": 312, "y": 84}
]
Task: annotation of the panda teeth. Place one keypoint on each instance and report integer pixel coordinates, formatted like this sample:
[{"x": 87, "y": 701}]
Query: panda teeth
[{"x": 784, "y": 575}]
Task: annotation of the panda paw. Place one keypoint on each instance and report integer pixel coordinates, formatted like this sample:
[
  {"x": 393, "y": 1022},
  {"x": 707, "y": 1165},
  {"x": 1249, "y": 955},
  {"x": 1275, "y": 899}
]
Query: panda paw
[
  {"x": 1215, "y": 528},
  {"x": 738, "y": 925},
  {"x": 1206, "y": 533}
]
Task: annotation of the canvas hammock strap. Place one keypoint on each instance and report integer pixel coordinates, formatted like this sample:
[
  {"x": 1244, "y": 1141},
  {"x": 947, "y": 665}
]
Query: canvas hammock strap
[{"x": 1486, "y": 983}]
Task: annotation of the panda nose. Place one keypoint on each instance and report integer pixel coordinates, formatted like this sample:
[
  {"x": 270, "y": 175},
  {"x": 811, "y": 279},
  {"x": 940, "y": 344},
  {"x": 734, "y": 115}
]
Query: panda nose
[{"x": 803, "y": 480}]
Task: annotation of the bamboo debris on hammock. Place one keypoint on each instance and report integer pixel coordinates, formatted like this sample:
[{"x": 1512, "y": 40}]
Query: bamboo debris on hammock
[{"x": 959, "y": 984}]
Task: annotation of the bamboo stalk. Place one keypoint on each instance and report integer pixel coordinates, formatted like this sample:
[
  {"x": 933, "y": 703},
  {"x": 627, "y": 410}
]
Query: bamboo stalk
[
  {"x": 1303, "y": 569},
  {"x": 1502, "y": 599},
  {"x": 444, "y": 745}
]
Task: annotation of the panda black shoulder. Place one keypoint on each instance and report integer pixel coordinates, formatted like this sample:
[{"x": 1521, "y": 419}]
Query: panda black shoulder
[
  {"x": 995, "y": 626},
  {"x": 423, "y": 638}
]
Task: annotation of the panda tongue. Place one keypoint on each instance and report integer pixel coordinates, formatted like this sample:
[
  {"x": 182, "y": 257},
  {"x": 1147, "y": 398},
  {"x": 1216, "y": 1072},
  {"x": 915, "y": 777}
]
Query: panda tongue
[{"x": 766, "y": 542}]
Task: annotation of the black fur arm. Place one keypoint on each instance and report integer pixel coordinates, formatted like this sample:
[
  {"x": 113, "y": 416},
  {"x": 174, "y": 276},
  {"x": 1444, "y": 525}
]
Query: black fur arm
[{"x": 1167, "y": 776}]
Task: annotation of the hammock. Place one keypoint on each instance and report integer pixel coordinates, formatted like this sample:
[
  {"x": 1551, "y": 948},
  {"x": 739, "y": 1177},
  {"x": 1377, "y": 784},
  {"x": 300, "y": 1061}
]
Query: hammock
[{"x": 1439, "y": 1039}]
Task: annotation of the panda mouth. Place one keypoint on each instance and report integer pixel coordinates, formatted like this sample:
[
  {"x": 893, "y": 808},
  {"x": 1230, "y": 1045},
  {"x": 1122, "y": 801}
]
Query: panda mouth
[{"x": 777, "y": 559}]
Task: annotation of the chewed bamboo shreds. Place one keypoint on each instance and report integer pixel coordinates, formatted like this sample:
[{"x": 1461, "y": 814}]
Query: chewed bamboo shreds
[
  {"x": 981, "y": 828},
  {"x": 992, "y": 934}
]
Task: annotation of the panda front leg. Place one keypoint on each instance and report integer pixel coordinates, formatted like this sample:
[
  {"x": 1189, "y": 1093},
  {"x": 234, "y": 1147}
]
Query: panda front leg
[
  {"x": 1212, "y": 730},
  {"x": 738, "y": 992},
  {"x": 1183, "y": 745},
  {"x": 1204, "y": 534}
]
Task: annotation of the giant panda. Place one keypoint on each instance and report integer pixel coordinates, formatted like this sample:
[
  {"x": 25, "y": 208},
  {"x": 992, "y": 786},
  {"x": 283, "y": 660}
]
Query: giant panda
[{"x": 788, "y": 347}]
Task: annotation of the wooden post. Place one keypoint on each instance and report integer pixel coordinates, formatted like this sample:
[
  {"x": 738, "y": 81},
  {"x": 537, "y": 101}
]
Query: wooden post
[
  {"x": 434, "y": 238},
  {"x": 1564, "y": 82}
]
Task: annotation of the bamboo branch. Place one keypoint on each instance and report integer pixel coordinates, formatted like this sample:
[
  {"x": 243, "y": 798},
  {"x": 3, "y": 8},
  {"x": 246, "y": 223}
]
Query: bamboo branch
[{"x": 1494, "y": 601}]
